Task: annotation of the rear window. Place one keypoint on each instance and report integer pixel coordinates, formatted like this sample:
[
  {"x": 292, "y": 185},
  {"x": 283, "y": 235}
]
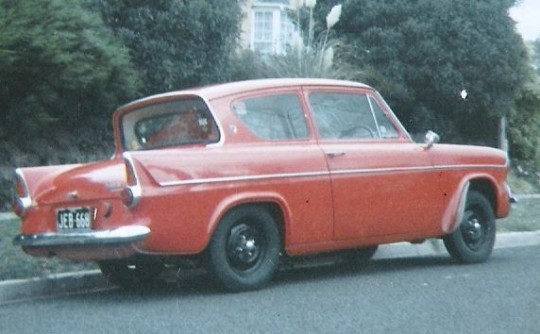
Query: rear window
[{"x": 176, "y": 123}]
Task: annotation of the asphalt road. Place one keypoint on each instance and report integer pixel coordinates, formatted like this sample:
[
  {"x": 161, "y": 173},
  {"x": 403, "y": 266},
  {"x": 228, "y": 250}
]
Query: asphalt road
[{"x": 414, "y": 295}]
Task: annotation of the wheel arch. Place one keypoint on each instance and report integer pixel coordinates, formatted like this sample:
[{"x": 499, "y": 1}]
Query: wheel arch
[
  {"x": 274, "y": 204},
  {"x": 480, "y": 183},
  {"x": 487, "y": 188}
]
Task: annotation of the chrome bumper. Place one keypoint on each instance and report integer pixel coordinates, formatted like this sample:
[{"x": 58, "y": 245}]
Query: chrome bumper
[{"x": 119, "y": 236}]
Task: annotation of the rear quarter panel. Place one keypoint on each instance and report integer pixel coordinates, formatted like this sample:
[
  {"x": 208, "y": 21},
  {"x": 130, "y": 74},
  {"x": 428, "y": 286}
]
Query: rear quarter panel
[{"x": 187, "y": 191}]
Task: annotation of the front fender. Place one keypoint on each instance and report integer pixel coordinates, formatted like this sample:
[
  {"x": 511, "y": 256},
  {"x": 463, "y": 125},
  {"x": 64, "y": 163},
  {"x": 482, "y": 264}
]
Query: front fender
[{"x": 453, "y": 214}]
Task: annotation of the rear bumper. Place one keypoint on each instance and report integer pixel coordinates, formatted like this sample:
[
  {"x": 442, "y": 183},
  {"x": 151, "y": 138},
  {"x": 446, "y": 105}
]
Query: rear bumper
[{"x": 121, "y": 236}]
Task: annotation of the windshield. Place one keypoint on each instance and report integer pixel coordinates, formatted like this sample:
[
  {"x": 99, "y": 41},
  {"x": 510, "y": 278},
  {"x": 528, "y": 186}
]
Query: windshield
[{"x": 175, "y": 123}]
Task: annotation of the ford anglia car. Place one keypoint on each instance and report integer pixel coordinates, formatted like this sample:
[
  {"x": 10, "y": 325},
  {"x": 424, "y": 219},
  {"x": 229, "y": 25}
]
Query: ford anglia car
[{"x": 240, "y": 176}]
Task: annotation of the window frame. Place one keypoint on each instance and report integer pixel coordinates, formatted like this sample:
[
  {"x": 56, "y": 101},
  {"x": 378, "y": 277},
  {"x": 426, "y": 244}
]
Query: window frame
[
  {"x": 372, "y": 97},
  {"x": 152, "y": 111},
  {"x": 295, "y": 92}
]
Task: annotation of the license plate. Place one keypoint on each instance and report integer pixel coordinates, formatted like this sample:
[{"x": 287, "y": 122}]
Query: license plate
[{"x": 74, "y": 219}]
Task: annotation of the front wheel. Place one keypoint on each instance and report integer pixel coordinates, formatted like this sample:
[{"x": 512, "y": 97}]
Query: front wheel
[
  {"x": 244, "y": 251},
  {"x": 473, "y": 240}
]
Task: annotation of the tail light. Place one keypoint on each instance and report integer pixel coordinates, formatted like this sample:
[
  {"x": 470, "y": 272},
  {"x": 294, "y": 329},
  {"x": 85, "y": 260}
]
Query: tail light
[
  {"x": 23, "y": 201},
  {"x": 132, "y": 193}
]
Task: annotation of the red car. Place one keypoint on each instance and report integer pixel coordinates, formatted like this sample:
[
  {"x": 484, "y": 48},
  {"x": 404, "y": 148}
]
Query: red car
[{"x": 236, "y": 177}]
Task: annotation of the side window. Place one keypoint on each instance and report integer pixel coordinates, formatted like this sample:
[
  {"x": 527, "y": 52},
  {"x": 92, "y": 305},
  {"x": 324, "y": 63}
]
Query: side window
[
  {"x": 343, "y": 116},
  {"x": 349, "y": 116},
  {"x": 275, "y": 117}
]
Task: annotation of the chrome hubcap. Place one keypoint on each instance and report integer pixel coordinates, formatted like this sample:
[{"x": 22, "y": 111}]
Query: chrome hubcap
[
  {"x": 473, "y": 231},
  {"x": 244, "y": 247}
]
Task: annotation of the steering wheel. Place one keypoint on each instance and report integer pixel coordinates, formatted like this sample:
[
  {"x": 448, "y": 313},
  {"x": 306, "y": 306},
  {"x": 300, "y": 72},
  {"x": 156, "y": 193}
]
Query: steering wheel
[{"x": 352, "y": 131}]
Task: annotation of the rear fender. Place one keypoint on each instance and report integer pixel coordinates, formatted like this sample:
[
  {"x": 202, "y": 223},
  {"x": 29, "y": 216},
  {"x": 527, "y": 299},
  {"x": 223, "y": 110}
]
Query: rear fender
[
  {"x": 249, "y": 198},
  {"x": 38, "y": 179}
]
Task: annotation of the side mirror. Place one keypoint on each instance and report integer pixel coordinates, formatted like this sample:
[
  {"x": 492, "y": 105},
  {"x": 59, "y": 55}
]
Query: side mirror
[{"x": 431, "y": 138}]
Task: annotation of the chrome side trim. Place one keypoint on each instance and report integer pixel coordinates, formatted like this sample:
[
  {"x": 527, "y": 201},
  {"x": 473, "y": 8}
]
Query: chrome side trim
[
  {"x": 243, "y": 178},
  {"x": 414, "y": 169},
  {"x": 247, "y": 178},
  {"x": 121, "y": 235}
]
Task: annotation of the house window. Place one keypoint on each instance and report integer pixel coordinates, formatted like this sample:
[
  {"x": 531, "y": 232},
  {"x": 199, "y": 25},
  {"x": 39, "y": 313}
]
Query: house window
[{"x": 263, "y": 31}]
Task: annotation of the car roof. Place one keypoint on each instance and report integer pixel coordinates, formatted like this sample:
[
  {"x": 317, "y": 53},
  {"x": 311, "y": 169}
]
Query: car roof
[
  {"x": 217, "y": 91},
  {"x": 220, "y": 90}
]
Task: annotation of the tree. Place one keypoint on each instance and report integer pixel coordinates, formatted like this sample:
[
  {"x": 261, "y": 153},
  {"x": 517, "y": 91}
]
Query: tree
[
  {"x": 525, "y": 125},
  {"x": 60, "y": 70},
  {"x": 524, "y": 131},
  {"x": 176, "y": 44},
  {"x": 536, "y": 57},
  {"x": 309, "y": 55},
  {"x": 423, "y": 53}
]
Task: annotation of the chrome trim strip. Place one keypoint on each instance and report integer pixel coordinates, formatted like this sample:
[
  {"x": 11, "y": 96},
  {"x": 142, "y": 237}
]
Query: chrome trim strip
[
  {"x": 414, "y": 169},
  {"x": 243, "y": 178},
  {"x": 121, "y": 235},
  {"x": 443, "y": 167},
  {"x": 462, "y": 204},
  {"x": 136, "y": 190},
  {"x": 248, "y": 178},
  {"x": 27, "y": 200}
]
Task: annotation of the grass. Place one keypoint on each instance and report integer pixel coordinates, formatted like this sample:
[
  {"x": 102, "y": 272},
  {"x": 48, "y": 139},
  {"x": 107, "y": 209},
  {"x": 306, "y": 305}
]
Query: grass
[
  {"x": 524, "y": 217},
  {"x": 526, "y": 184},
  {"x": 14, "y": 263}
]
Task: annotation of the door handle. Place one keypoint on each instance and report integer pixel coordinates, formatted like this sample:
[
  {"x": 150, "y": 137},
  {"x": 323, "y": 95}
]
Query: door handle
[{"x": 335, "y": 154}]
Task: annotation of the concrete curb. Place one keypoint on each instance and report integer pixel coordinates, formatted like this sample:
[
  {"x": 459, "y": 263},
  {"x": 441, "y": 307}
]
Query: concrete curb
[
  {"x": 58, "y": 284},
  {"x": 78, "y": 282},
  {"x": 436, "y": 247},
  {"x": 7, "y": 216}
]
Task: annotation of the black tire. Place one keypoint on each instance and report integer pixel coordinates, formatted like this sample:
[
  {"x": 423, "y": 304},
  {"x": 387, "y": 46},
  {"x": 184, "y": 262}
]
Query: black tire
[
  {"x": 244, "y": 251},
  {"x": 131, "y": 273},
  {"x": 473, "y": 240},
  {"x": 360, "y": 256}
]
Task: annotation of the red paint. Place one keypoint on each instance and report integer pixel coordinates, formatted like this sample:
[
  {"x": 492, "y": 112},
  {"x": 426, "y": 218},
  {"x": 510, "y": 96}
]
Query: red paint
[{"x": 331, "y": 194}]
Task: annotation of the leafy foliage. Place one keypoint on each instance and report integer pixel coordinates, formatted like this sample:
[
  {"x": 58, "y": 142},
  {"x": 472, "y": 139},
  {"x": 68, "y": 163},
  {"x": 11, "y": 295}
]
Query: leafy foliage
[
  {"x": 66, "y": 64},
  {"x": 176, "y": 44},
  {"x": 524, "y": 130},
  {"x": 59, "y": 69},
  {"x": 536, "y": 57},
  {"x": 423, "y": 53},
  {"x": 61, "y": 75},
  {"x": 525, "y": 125}
]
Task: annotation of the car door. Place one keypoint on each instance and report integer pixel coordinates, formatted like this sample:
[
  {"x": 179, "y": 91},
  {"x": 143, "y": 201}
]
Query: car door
[
  {"x": 285, "y": 150},
  {"x": 383, "y": 184}
]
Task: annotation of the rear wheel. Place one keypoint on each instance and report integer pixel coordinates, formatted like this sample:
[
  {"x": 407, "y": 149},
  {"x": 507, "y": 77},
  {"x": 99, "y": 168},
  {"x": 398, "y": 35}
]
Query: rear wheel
[
  {"x": 244, "y": 251},
  {"x": 131, "y": 273},
  {"x": 473, "y": 240}
]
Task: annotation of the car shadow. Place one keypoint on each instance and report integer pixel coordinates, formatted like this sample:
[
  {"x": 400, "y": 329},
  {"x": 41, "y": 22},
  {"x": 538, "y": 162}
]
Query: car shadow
[{"x": 191, "y": 283}]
